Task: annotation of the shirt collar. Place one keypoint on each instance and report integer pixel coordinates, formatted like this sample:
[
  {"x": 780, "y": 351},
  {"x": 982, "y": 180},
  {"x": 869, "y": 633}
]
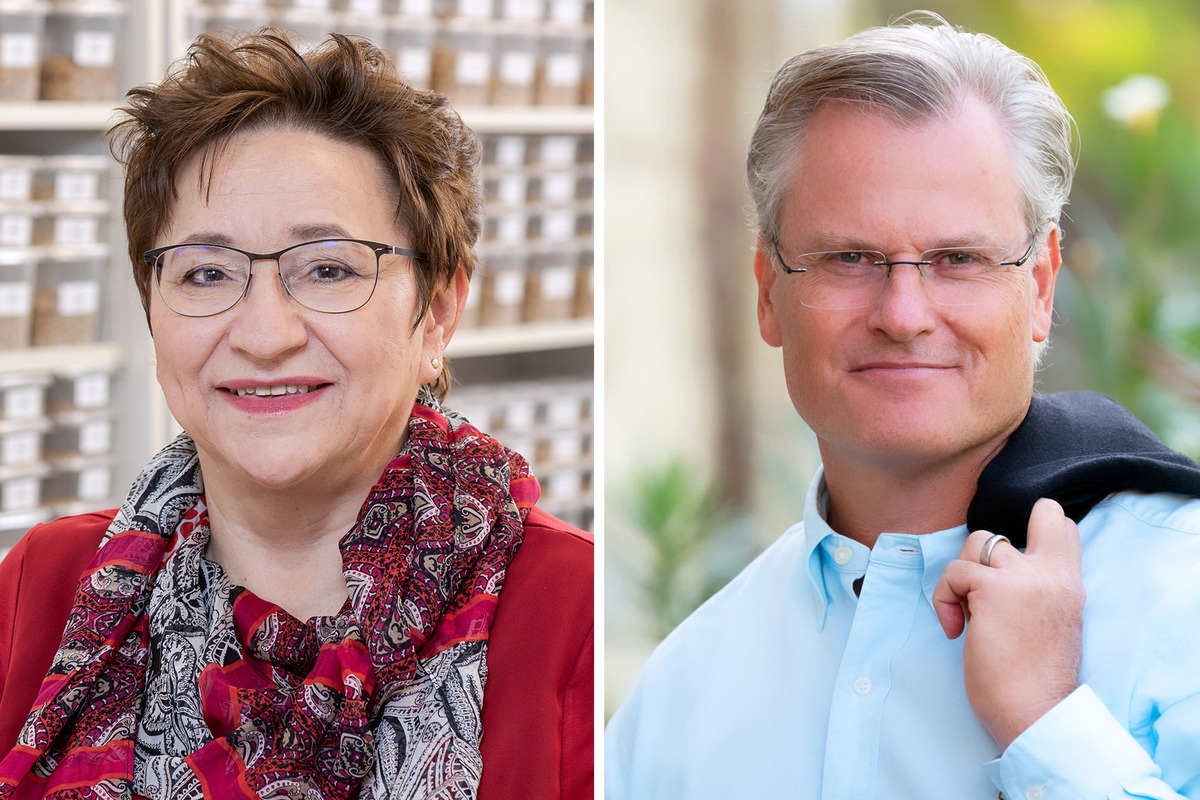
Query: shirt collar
[{"x": 937, "y": 549}]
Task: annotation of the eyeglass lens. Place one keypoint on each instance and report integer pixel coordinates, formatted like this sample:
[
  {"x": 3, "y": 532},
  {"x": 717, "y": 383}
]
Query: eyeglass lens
[
  {"x": 332, "y": 276},
  {"x": 847, "y": 280}
]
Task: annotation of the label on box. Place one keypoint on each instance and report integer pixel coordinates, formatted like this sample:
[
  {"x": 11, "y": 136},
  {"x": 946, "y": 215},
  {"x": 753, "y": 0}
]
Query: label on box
[
  {"x": 520, "y": 414},
  {"x": 95, "y": 48},
  {"x": 563, "y": 484},
  {"x": 77, "y": 298},
  {"x": 558, "y": 283},
  {"x": 20, "y": 447},
  {"x": 523, "y": 9},
  {"x": 416, "y": 8},
  {"x": 566, "y": 10},
  {"x": 94, "y": 483},
  {"x": 508, "y": 287},
  {"x": 566, "y": 446},
  {"x": 511, "y": 228},
  {"x": 563, "y": 411},
  {"x": 23, "y": 402},
  {"x": 415, "y": 62},
  {"x": 510, "y": 151},
  {"x": 76, "y": 185},
  {"x": 480, "y": 9},
  {"x": 564, "y": 69},
  {"x": 76, "y": 230},
  {"x": 558, "y": 225},
  {"x": 471, "y": 67},
  {"x": 20, "y": 493},
  {"x": 18, "y": 50},
  {"x": 16, "y": 229},
  {"x": 511, "y": 189},
  {"x": 95, "y": 437},
  {"x": 558, "y": 186},
  {"x": 16, "y": 299},
  {"x": 516, "y": 67},
  {"x": 15, "y": 184},
  {"x": 91, "y": 390},
  {"x": 558, "y": 150}
]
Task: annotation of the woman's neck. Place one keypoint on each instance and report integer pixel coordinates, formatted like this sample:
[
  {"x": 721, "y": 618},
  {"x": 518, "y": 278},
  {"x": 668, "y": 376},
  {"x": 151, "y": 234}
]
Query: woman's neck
[{"x": 283, "y": 545}]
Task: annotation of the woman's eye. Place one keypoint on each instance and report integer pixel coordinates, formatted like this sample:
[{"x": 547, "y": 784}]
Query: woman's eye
[
  {"x": 330, "y": 272},
  {"x": 204, "y": 275}
]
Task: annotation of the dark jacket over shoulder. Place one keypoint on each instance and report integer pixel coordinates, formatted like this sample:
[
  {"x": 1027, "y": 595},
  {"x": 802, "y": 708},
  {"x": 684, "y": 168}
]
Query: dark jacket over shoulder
[{"x": 538, "y": 714}]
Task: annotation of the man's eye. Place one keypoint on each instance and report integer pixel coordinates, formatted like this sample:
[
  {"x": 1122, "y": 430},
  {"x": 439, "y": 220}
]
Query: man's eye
[
  {"x": 959, "y": 259},
  {"x": 852, "y": 257}
]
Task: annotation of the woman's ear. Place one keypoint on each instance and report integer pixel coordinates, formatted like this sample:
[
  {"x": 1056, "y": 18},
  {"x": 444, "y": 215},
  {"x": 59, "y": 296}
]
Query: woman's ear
[{"x": 445, "y": 309}]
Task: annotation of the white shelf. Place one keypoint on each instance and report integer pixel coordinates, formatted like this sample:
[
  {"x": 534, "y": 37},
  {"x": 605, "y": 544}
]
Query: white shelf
[
  {"x": 59, "y": 116},
  {"x": 64, "y": 116},
  {"x": 529, "y": 120},
  {"x": 103, "y": 355},
  {"x": 525, "y": 338}
]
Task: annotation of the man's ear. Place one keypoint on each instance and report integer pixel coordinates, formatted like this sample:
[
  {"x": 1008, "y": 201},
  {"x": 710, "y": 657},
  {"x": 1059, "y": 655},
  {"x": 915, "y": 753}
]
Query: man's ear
[
  {"x": 765, "y": 273},
  {"x": 1045, "y": 275}
]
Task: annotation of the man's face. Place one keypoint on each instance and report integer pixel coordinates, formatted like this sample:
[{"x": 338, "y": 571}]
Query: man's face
[{"x": 905, "y": 382}]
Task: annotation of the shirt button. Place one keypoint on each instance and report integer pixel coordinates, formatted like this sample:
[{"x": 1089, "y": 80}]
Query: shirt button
[
  {"x": 863, "y": 685},
  {"x": 1036, "y": 793},
  {"x": 842, "y": 555}
]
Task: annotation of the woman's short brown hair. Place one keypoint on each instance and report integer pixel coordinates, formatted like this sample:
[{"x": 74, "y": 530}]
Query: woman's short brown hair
[{"x": 346, "y": 89}]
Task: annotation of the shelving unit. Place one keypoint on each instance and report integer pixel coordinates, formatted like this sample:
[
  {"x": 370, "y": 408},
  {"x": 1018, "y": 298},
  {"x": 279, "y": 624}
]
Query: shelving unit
[{"x": 489, "y": 359}]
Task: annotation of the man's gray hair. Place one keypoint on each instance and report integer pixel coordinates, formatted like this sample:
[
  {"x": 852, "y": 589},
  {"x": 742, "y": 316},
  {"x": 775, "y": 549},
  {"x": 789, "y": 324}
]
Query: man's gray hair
[{"x": 917, "y": 70}]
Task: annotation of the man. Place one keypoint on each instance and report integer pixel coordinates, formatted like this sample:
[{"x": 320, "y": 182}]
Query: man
[{"x": 908, "y": 184}]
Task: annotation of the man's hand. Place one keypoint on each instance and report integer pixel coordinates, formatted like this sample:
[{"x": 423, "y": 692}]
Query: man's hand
[{"x": 1025, "y": 615}]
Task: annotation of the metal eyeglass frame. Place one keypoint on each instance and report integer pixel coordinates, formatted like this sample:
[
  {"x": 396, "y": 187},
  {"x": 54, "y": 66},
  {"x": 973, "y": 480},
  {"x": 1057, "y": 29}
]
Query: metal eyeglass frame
[
  {"x": 151, "y": 258},
  {"x": 1020, "y": 262}
]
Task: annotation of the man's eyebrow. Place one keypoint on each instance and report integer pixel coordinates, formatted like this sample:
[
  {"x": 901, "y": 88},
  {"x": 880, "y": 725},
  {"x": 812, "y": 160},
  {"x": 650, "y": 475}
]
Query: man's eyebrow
[{"x": 822, "y": 242}]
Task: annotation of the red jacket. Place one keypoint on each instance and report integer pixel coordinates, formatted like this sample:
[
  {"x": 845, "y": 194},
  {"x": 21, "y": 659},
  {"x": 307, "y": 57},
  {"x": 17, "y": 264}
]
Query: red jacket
[{"x": 538, "y": 714}]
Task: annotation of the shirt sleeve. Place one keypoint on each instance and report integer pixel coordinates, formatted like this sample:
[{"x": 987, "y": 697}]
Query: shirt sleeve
[{"x": 1079, "y": 750}]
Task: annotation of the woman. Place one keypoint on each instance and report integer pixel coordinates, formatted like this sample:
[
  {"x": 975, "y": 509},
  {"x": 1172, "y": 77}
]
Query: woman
[{"x": 323, "y": 589}]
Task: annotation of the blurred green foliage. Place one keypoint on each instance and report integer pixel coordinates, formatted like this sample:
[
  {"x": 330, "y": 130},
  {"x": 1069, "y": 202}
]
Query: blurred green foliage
[{"x": 678, "y": 514}]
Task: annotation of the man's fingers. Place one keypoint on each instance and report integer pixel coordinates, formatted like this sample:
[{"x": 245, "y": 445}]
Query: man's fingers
[
  {"x": 951, "y": 593},
  {"x": 1052, "y": 533},
  {"x": 1002, "y": 550}
]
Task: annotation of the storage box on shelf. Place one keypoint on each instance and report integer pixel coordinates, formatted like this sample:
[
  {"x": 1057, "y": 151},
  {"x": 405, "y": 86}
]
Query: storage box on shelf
[
  {"x": 549, "y": 422},
  {"x": 511, "y": 54}
]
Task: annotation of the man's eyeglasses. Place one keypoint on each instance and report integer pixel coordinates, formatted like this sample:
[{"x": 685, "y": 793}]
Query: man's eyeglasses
[
  {"x": 847, "y": 279},
  {"x": 333, "y": 275}
]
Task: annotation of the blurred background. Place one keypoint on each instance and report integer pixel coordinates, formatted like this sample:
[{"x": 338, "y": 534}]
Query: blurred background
[{"x": 706, "y": 461}]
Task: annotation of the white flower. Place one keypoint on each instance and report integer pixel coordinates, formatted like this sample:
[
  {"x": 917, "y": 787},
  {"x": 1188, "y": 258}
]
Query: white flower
[{"x": 1137, "y": 101}]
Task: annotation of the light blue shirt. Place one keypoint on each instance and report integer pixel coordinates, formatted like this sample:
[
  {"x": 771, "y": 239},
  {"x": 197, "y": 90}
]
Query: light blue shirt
[{"x": 787, "y": 685}]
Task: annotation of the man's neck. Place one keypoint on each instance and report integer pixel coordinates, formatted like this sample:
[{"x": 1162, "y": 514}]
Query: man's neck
[{"x": 869, "y": 498}]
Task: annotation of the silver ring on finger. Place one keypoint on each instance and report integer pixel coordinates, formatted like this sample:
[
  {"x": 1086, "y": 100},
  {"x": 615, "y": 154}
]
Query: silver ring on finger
[{"x": 985, "y": 555}]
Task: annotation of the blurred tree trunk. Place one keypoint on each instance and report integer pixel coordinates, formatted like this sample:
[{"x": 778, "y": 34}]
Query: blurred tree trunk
[{"x": 724, "y": 266}]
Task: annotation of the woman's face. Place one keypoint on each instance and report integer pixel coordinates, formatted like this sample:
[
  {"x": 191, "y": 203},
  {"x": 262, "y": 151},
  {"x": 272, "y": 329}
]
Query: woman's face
[{"x": 269, "y": 190}]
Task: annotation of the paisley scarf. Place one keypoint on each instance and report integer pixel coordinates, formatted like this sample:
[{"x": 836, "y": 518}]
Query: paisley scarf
[{"x": 172, "y": 682}]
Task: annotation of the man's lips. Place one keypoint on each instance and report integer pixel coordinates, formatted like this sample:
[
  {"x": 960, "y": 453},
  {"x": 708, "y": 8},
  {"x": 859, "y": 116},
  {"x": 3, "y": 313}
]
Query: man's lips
[{"x": 899, "y": 365}]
